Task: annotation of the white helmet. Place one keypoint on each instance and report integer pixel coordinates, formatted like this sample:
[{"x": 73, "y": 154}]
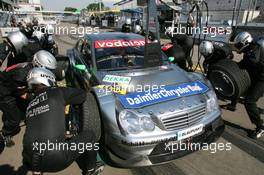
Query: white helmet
[
  {"x": 242, "y": 40},
  {"x": 128, "y": 21},
  {"x": 195, "y": 1},
  {"x": 50, "y": 29},
  {"x": 137, "y": 29},
  {"x": 198, "y": 1},
  {"x": 40, "y": 76},
  {"x": 38, "y": 34},
  {"x": 18, "y": 40},
  {"x": 261, "y": 43},
  {"x": 44, "y": 59},
  {"x": 169, "y": 31},
  {"x": 206, "y": 48}
]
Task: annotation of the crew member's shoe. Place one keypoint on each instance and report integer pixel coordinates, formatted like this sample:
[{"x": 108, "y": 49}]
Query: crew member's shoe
[
  {"x": 7, "y": 135},
  {"x": 9, "y": 142},
  {"x": 229, "y": 107},
  {"x": 2, "y": 143},
  {"x": 261, "y": 110},
  {"x": 259, "y": 133},
  {"x": 99, "y": 168},
  {"x": 11, "y": 133}
]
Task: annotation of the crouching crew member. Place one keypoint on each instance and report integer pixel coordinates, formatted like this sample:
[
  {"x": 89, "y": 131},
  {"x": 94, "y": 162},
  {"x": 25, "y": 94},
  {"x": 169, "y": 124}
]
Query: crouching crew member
[
  {"x": 13, "y": 88},
  {"x": 45, "y": 122}
]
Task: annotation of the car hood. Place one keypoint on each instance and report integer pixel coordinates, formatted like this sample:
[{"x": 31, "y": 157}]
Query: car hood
[
  {"x": 111, "y": 103},
  {"x": 148, "y": 77}
]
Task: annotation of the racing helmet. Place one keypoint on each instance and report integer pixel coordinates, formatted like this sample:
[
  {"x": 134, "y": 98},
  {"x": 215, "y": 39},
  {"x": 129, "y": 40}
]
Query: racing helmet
[
  {"x": 38, "y": 34},
  {"x": 137, "y": 29},
  {"x": 206, "y": 48},
  {"x": 128, "y": 21},
  {"x": 261, "y": 43},
  {"x": 195, "y": 1},
  {"x": 44, "y": 59},
  {"x": 40, "y": 76},
  {"x": 50, "y": 29},
  {"x": 18, "y": 40},
  {"x": 242, "y": 40},
  {"x": 169, "y": 31},
  {"x": 198, "y": 1}
]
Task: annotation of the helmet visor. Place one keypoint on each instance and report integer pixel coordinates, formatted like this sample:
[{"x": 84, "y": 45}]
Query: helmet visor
[{"x": 239, "y": 46}]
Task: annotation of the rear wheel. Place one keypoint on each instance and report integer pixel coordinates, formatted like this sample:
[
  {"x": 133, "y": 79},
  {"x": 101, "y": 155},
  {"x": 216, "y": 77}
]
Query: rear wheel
[{"x": 230, "y": 82}]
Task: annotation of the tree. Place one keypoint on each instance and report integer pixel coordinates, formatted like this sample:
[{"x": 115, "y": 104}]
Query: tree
[
  {"x": 70, "y": 9},
  {"x": 95, "y": 6}
]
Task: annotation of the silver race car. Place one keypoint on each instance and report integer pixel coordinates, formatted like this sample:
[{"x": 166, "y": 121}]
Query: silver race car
[{"x": 146, "y": 112}]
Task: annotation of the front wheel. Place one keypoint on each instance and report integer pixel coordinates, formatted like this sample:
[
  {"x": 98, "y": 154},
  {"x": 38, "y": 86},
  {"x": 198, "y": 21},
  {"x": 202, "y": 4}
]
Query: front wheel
[
  {"x": 90, "y": 119},
  {"x": 85, "y": 117},
  {"x": 230, "y": 82}
]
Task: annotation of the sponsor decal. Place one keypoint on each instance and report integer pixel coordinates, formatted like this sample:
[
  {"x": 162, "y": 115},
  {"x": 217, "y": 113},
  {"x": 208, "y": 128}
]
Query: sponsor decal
[
  {"x": 141, "y": 99},
  {"x": 118, "y": 43},
  {"x": 189, "y": 132},
  {"x": 166, "y": 47},
  {"x": 117, "y": 79},
  {"x": 34, "y": 110}
]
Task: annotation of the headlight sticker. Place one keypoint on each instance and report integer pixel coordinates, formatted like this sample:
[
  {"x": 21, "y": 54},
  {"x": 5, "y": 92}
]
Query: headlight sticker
[{"x": 141, "y": 99}]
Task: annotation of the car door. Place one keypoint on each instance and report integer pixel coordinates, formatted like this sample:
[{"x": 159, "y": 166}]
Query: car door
[
  {"x": 81, "y": 75},
  {"x": 88, "y": 56},
  {"x": 87, "y": 52}
]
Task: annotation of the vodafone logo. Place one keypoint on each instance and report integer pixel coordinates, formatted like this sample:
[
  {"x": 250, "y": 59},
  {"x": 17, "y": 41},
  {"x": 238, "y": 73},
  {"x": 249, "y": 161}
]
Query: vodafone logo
[{"x": 118, "y": 43}]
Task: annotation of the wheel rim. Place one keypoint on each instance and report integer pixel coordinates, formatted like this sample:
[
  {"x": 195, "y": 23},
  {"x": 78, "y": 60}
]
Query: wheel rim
[{"x": 222, "y": 83}]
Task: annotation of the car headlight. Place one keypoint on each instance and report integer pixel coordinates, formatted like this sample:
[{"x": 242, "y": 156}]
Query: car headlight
[
  {"x": 147, "y": 124},
  {"x": 211, "y": 103},
  {"x": 134, "y": 124}
]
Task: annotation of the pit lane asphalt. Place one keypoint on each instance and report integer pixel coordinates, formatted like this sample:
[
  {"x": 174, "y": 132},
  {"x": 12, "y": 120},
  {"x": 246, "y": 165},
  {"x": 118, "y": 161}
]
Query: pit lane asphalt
[{"x": 245, "y": 157}]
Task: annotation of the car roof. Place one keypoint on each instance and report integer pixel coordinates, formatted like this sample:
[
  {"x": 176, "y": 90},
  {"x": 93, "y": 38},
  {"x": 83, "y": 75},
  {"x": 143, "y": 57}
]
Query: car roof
[{"x": 113, "y": 36}]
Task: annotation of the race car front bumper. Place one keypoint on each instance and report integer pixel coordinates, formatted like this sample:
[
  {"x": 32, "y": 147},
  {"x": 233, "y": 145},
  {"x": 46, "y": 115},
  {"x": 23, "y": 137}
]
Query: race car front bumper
[{"x": 158, "y": 153}]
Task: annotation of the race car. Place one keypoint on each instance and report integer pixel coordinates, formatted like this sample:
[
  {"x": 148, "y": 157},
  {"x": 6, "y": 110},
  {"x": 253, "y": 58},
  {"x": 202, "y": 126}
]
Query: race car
[{"x": 144, "y": 111}]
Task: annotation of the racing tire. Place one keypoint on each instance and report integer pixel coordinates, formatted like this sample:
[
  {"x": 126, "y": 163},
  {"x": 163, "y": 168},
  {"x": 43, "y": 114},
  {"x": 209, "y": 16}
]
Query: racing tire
[
  {"x": 62, "y": 67},
  {"x": 90, "y": 119},
  {"x": 229, "y": 81}
]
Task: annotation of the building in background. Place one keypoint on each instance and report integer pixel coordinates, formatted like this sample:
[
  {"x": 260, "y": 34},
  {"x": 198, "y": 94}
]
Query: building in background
[
  {"x": 29, "y": 5},
  {"x": 126, "y": 4},
  {"x": 220, "y": 11},
  {"x": 8, "y": 5}
]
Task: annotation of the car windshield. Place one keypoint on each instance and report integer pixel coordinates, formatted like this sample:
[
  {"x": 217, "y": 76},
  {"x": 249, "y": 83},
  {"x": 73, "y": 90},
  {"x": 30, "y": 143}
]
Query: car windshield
[
  {"x": 115, "y": 55},
  {"x": 119, "y": 58}
]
